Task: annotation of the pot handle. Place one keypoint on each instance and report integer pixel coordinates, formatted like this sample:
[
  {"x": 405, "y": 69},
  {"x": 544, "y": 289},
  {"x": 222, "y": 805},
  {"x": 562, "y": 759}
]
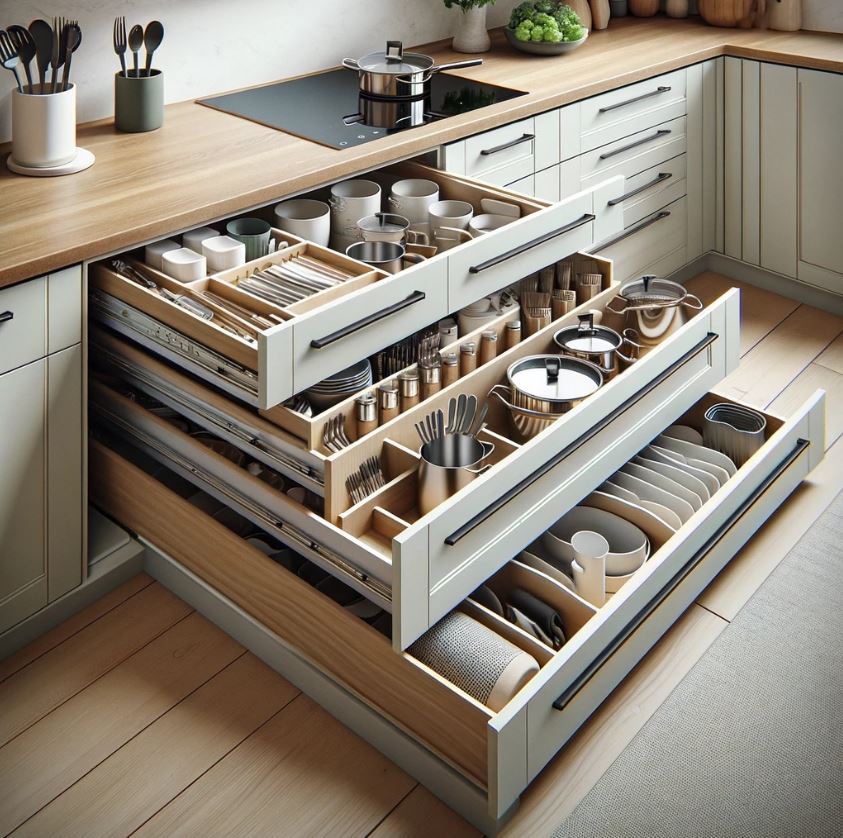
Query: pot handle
[
  {"x": 459, "y": 234},
  {"x": 455, "y": 65},
  {"x": 630, "y": 339},
  {"x": 608, "y": 306},
  {"x": 480, "y": 470},
  {"x": 351, "y": 64},
  {"x": 524, "y": 411},
  {"x": 488, "y": 448},
  {"x": 692, "y": 301}
]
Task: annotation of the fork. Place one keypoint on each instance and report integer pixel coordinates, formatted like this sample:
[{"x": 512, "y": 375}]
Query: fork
[
  {"x": 24, "y": 43},
  {"x": 58, "y": 50},
  {"x": 9, "y": 56},
  {"x": 120, "y": 42}
]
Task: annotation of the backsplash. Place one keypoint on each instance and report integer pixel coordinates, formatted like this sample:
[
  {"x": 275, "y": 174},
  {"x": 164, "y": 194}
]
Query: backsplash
[{"x": 216, "y": 45}]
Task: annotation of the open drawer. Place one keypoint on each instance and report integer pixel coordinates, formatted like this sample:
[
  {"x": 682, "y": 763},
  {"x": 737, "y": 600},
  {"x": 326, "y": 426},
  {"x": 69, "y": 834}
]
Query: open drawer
[{"x": 499, "y": 751}]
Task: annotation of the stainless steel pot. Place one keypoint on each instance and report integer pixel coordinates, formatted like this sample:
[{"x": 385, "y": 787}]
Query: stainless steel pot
[
  {"x": 653, "y": 307},
  {"x": 543, "y": 387},
  {"x": 387, "y": 256},
  {"x": 448, "y": 463},
  {"x": 395, "y": 74},
  {"x": 598, "y": 344}
]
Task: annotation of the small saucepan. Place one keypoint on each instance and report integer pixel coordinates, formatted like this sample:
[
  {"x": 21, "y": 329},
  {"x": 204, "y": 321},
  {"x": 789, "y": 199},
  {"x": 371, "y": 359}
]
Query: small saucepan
[{"x": 598, "y": 344}]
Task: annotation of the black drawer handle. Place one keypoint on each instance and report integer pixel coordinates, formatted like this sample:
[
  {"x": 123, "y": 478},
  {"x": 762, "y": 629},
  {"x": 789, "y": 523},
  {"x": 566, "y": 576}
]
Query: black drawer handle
[
  {"x": 636, "y": 228},
  {"x": 523, "y": 248},
  {"x": 524, "y": 138},
  {"x": 6, "y": 316},
  {"x": 321, "y": 343},
  {"x": 595, "y": 429},
  {"x": 657, "y": 92},
  {"x": 682, "y": 573},
  {"x": 615, "y": 152},
  {"x": 660, "y": 177}
]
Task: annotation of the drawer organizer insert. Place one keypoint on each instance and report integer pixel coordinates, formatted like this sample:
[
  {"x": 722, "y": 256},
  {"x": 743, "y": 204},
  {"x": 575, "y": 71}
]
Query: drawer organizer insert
[
  {"x": 419, "y": 566},
  {"x": 502, "y": 749}
]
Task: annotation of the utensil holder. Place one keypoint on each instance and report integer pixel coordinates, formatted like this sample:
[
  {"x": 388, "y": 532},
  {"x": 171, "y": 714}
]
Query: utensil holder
[
  {"x": 138, "y": 101},
  {"x": 43, "y": 127}
]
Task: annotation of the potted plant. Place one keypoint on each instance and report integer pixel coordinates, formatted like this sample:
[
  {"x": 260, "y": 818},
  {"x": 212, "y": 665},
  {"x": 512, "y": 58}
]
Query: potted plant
[{"x": 471, "y": 33}]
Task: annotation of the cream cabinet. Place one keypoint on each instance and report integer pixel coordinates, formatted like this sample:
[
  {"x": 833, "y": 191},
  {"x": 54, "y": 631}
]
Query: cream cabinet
[{"x": 41, "y": 444}]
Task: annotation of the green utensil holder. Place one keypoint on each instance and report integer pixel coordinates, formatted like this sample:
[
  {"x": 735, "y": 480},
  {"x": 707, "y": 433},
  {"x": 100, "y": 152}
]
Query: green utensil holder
[{"x": 138, "y": 101}]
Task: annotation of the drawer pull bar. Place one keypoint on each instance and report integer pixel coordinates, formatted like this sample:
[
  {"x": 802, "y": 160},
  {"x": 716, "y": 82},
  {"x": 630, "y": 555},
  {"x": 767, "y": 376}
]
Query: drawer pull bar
[
  {"x": 657, "y": 92},
  {"x": 662, "y": 132},
  {"x": 523, "y": 248},
  {"x": 660, "y": 177},
  {"x": 679, "y": 576},
  {"x": 321, "y": 343},
  {"x": 6, "y": 316},
  {"x": 524, "y": 138},
  {"x": 595, "y": 429},
  {"x": 635, "y": 229}
]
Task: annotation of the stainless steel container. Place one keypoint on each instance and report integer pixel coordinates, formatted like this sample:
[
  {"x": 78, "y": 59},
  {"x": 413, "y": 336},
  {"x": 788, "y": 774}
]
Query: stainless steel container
[
  {"x": 598, "y": 344},
  {"x": 734, "y": 430},
  {"x": 448, "y": 463},
  {"x": 387, "y": 256},
  {"x": 653, "y": 307},
  {"x": 543, "y": 387}
]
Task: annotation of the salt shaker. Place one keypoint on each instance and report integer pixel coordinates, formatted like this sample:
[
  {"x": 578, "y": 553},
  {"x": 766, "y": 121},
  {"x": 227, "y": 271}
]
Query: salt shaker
[
  {"x": 450, "y": 368},
  {"x": 408, "y": 384},
  {"x": 388, "y": 406},
  {"x": 488, "y": 346},
  {"x": 366, "y": 413},
  {"x": 468, "y": 357}
]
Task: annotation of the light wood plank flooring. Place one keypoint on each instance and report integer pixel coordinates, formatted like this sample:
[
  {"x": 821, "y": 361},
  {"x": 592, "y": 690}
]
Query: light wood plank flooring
[{"x": 138, "y": 716}]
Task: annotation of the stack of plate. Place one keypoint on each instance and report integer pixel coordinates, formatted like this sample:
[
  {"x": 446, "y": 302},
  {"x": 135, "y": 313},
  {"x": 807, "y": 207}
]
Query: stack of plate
[{"x": 340, "y": 386}]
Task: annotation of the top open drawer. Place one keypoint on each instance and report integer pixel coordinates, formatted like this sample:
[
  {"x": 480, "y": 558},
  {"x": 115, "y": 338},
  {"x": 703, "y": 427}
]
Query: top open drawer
[{"x": 364, "y": 312}]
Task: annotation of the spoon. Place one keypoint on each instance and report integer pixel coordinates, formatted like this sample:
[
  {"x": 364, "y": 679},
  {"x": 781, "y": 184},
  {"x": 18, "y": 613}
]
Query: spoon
[
  {"x": 25, "y": 44},
  {"x": 152, "y": 38},
  {"x": 42, "y": 34},
  {"x": 73, "y": 38},
  {"x": 135, "y": 43}
]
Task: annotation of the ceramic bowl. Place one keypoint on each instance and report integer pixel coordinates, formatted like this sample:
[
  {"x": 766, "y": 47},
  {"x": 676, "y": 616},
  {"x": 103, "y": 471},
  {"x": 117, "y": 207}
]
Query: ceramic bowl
[{"x": 543, "y": 49}]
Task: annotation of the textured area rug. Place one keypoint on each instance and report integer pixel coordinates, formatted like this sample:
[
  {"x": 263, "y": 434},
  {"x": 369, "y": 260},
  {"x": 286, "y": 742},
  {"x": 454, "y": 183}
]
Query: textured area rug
[{"x": 750, "y": 744}]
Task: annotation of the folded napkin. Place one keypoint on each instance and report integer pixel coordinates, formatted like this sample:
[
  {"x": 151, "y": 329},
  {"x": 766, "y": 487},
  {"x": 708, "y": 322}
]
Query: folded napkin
[{"x": 544, "y": 616}]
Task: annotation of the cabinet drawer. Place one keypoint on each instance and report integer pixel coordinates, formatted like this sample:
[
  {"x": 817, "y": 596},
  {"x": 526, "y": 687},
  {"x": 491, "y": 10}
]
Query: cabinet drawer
[
  {"x": 620, "y": 113},
  {"x": 23, "y": 323},
  {"x": 650, "y": 191},
  {"x": 503, "y": 155},
  {"x": 648, "y": 240}
]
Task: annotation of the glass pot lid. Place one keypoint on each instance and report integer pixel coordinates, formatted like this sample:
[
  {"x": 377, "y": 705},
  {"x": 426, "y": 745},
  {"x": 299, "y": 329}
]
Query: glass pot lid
[
  {"x": 554, "y": 378},
  {"x": 394, "y": 61}
]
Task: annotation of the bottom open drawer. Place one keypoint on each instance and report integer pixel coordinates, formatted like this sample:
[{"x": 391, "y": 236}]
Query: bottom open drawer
[{"x": 502, "y": 751}]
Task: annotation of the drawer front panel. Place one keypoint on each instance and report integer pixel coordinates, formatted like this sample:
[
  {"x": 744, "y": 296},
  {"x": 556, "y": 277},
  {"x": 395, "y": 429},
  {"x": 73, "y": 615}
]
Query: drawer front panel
[
  {"x": 524, "y": 186},
  {"x": 568, "y": 691},
  {"x": 647, "y": 193},
  {"x": 503, "y": 155},
  {"x": 619, "y": 113},
  {"x": 491, "y": 262},
  {"x": 23, "y": 323},
  {"x": 480, "y": 529},
  {"x": 357, "y": 326}
]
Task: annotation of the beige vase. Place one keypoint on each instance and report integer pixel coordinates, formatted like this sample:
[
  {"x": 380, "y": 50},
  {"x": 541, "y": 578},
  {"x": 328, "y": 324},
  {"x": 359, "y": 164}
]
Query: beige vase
[
  {"x": 472, "y": 35},
  {"x": 600, "y": 14},
  {"x": 643, "y": 8},
  {"x": 784, "y": 15},
  {"x": 676, "y": 8}
]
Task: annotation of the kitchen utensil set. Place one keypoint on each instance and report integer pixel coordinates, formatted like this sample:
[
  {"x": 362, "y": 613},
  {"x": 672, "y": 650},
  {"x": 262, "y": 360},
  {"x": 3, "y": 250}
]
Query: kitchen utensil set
[
  {"x": 150, "y": 39},
  {"x": 52, "y": 47},
  {"x": 293, "y": 280},
  {"x": 366, "y": 480}
]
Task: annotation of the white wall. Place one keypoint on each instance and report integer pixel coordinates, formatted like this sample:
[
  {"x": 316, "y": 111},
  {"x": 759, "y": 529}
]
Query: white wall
[{"x": 215, "y": 45}]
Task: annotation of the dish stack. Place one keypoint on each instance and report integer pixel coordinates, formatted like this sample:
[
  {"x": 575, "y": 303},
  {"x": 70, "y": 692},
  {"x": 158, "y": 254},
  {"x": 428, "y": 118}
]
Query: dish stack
[{"x": 340, "y": 386}]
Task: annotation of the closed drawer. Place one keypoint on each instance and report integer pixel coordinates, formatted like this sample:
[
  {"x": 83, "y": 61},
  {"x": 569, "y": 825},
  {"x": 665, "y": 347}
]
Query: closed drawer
[
  {"x": 648, "y": 240},
  {"x": 650, "y": 191},
  {"x": 524, "y": 186},
  {"x": 620, "y": 113},
  {"x": 503, "y": 155},
  {"x": 500, "y": 751},
  {"x": 23, "y": 323}
]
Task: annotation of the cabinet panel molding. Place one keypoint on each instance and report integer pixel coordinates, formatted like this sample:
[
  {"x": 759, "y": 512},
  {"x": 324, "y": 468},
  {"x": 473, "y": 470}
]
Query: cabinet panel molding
[{"x": 750, "y": 171}]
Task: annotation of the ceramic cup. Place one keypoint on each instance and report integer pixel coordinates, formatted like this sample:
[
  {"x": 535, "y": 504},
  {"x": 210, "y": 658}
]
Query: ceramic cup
[
  {"x": 223, "y": 253},
  {"x": 305, "y": 218},
  {"x": 449, "y": 222},
  {"x": 43, "y": 127},
  {"x": 184, "y": 264},
  {"x": 351, "y": 200},
  {"x": 138, "y": 101},
  {"x": 412, "y": 198},
  {"x": 253, "y": 232},
  {"x": 152, "y": 253},
  {"x": 193, "y": 238}
]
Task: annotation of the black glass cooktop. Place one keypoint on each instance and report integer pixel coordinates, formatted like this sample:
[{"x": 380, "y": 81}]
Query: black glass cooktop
[{"x": 327, "y": 109}]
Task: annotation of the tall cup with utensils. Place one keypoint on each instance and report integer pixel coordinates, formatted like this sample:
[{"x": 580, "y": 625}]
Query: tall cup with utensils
[
  {"x": 138, "y": 101},
  {"x": 350, "y": 201},
  {"x": 43, "y": 127}
]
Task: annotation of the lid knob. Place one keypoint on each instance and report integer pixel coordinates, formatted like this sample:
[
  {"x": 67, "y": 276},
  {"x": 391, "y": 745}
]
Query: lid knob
[
  {"x": 586, "y": 323},
  {"x": 647, "y": 280},
  {"x": 394, "y": 51},
  {"x": 552, "y": 365}
]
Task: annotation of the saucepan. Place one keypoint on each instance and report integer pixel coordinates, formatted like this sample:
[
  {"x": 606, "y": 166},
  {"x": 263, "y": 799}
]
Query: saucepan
[{"x": 598, "y": 344}]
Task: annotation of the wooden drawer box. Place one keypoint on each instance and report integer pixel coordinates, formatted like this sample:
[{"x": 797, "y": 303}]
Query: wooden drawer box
[{"x": 499, "y": 751}]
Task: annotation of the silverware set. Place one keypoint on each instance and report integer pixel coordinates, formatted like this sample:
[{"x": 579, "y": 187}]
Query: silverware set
[
  {"x": 52, "y": 47},
  {"x": 423, "y": 345},
  {"x": 293, "y": 280},
  {"x": 366, "y": 480},
  {"x": 463, "y": 419},
  {"x": 333, "y": 434},
  {"x": 149, "y": 39},
  {"x": 299, "y": 404}
]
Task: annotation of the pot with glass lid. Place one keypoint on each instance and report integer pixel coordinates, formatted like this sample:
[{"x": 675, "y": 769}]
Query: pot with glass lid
[
  {"x": 598, "y": 344},
  {"x": 653, "y": 307},
  {"x": 542, "y": 387}
]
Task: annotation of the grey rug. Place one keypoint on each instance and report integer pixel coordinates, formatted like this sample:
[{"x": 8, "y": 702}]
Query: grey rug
[{"x": 750, "y": 743}]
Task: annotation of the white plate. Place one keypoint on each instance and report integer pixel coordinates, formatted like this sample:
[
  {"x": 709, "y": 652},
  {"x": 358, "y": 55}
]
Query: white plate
[
  {"x": 545, "y": 567},
  {"x": 646, "y": 491},
  {"x": 697, "y": 452},
  {"x": 662, "y": 482},
  {"x": 659, "y": 510},
  {"x": 694, "y": 484},
  {"x": 671, "y": 458},
  {"x": 684, "y": 432},
  {"x": 84, "y": 159}
]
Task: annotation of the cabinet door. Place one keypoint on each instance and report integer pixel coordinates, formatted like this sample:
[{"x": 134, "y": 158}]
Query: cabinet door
[
  {"x": 23, "y": 568},
  {"x": 820, "y": 179}
]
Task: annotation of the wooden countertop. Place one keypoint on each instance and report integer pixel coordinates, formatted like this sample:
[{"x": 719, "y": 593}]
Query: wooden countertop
[{"x": 203, "y": 164}]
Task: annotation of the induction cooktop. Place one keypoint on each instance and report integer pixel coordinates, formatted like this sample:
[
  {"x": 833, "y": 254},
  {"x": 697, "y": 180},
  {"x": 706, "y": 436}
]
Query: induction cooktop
[{"x": 327, "y": 108}]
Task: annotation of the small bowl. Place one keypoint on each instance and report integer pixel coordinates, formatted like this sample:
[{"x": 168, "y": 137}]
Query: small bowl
[
  {"x": 223, "y": 253},
  {"x": 539, "y": 48},
  {"x": 184, "y": 265}
]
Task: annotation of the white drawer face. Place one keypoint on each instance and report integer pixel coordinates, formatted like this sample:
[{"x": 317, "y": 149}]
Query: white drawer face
[
  {"x": 620, "y": 113},
  {"x": 23, "y": 323},
  {"x": 650, "y": 191},
  {"x": 503, "y": 155},
  {"x": 648, "y": 240}
]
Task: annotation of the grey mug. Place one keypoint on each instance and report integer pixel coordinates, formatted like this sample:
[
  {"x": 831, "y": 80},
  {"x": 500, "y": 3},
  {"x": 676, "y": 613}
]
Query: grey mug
[{"x": 253, "y": 232}]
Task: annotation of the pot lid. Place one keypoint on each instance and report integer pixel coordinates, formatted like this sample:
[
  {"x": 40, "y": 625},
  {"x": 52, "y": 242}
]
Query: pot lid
[
  {"x": 553, "y": 378},
  {"x": 651, "y": 290},
  {"x": 586, "y": 337},
  {"x": 383, "y": 222},
  {"x": 394, "y": 61}
]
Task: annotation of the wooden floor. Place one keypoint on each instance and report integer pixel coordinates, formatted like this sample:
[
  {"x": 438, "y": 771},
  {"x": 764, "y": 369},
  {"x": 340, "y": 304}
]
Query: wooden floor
[{"x": 138, "y": 716}]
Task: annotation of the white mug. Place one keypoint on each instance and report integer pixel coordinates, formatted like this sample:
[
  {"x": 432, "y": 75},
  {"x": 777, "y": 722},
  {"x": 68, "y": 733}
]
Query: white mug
[
  {"x": 305, "y": 218},
  {"x": 351, "y": 200},
  {"x": 223, "y": 253},
  {"x": 184, "y": 264},
  {"x": 412, "y": 198},
  {"x": 44, "y": 128},
  {"x": 453, "y": 214}
]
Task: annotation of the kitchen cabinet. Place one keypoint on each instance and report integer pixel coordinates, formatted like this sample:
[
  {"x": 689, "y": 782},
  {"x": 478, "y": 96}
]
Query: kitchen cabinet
[{"x": 42, "y": 444}]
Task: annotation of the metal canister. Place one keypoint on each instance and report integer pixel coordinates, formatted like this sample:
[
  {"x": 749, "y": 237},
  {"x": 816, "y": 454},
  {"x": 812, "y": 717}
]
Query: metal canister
[
  {"x": 408, "y": 385},
  {"x": 366, "y": 414},
  {"x": 468, "y": 357},
  {"x": 388, "y": 402},
  {"x": 431, "y": 379}
]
